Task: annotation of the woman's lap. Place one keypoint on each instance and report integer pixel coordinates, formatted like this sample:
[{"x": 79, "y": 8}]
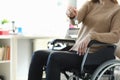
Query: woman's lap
[{"x": 66, "y": 59}]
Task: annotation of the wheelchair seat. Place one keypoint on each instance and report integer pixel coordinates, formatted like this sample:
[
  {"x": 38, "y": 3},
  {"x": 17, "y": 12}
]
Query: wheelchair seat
[{"x": 90, "y": 63}]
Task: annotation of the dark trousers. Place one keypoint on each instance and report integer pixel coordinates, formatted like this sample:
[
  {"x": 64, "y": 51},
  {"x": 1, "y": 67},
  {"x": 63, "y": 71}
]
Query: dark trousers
[{"x": 56, "y": 61}]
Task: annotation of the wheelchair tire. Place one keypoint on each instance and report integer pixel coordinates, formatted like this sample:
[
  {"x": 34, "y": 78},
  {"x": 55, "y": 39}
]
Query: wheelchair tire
[{"x": 102, "y": 69}]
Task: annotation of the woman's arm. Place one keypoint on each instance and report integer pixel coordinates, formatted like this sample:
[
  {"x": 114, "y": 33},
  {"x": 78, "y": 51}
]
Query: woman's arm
[
  {"x": 113, "y": 36},
  {"x": 72, "y": 12},
  {"x": 83, "y": 11}
]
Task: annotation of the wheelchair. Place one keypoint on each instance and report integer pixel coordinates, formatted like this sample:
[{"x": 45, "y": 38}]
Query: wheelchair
[{"x": 104, "y": 69}]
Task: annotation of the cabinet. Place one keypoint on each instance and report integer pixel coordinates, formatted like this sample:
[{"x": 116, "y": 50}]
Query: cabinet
[
  {"x": 16, "y": 68},
  {"x": 6, "y": 64},
  {"x": 21, "y": 49}
]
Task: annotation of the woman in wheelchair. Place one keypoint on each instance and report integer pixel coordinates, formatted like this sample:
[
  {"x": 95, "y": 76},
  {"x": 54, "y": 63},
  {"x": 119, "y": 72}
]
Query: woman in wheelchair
[{"x": 100, "y": 21}]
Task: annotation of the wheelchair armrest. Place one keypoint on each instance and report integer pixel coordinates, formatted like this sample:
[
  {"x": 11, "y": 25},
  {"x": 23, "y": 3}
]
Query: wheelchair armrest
[
  {"x": 62, "y": 41},
  {"x": 95, "y": 42},
  {"x": 60, "y": 44},
  {"x": 92, "y": 42}
]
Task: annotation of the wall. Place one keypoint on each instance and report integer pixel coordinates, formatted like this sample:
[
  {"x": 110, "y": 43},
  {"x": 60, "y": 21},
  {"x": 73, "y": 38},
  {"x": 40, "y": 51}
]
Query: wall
[{"x": 36, "y": 17}]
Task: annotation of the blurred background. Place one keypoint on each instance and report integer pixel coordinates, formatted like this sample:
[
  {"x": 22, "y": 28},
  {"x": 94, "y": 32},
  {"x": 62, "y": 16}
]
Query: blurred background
[{"x": 38, "y": 17}]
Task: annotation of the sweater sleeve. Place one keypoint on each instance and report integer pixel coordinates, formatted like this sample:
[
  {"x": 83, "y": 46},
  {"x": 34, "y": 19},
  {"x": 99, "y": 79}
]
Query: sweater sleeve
[
  {"x": 81, "y": 13},
  {"x": 111, "y": 37}
]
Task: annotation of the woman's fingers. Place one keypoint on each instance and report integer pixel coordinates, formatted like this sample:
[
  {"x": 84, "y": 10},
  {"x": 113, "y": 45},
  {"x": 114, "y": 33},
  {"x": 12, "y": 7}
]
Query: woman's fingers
[
  {"x": 71, "y": 12},
  {"x": 82, "y": 48}
]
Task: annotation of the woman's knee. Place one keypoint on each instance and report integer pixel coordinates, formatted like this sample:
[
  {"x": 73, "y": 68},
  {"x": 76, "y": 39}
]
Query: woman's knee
[
  {"x": 40, "y": 55},
  {"x": 52, "y": 60},
  {"x": 53, "y": 56}
]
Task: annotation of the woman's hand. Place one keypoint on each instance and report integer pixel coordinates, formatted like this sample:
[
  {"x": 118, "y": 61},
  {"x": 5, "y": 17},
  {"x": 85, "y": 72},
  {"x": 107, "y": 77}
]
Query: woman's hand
[
  {"x": 71, "y": 12},
  {"x": 83, "y": 45}
]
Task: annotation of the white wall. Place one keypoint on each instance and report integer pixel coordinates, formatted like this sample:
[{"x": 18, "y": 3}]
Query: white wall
[{"x": 41, "y": 17}]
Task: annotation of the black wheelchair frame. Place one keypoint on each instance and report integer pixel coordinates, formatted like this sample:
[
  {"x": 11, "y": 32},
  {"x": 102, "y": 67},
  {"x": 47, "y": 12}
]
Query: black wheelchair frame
[{"x": 82, "y": 73}]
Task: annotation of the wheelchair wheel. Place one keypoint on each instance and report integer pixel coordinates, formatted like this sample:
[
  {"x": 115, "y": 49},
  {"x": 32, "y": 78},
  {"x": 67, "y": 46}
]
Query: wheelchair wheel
[
  {"x": 109, "y": 70},
  {"x": 74, "y": 77}
]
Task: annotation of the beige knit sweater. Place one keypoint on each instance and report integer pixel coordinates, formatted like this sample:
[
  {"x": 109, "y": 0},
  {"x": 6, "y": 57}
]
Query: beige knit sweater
[{"x": 99, "y": 22}]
